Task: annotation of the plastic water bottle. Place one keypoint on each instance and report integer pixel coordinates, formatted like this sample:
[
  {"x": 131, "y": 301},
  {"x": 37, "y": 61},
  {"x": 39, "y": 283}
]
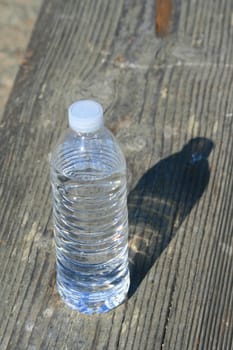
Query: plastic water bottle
[{"x": 88, "y": 175}]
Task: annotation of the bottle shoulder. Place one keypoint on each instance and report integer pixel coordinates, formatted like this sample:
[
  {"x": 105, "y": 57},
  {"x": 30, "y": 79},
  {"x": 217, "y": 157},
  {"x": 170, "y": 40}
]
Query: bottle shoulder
[
  {"x": 99, "y": 150},
  {"x": 79, "y": 141}
]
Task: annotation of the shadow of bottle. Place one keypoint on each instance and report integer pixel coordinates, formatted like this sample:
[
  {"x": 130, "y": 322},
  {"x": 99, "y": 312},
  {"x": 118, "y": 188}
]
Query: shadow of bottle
[{"x": 161, "y": 200}]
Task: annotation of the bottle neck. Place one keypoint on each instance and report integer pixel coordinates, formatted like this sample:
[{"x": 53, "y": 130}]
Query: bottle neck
[{"x": 87, "y": 134}]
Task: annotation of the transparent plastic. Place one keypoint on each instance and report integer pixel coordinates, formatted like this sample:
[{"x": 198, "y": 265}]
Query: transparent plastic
[{"x": 88, "y": 175}]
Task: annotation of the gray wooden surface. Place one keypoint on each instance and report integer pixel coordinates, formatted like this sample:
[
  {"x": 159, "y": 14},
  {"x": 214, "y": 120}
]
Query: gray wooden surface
[{"x": 158, "y": 94}]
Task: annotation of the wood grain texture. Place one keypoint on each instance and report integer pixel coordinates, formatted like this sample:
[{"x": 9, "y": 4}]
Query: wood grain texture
[{"x": 157, "y": 95}]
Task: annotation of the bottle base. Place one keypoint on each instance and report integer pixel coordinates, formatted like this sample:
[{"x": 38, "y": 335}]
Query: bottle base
[{"x": 90, "y": 303}]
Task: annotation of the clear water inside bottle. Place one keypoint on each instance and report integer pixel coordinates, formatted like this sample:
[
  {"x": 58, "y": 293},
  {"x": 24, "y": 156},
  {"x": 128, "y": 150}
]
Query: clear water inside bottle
[{"x": 91, "y": 222}]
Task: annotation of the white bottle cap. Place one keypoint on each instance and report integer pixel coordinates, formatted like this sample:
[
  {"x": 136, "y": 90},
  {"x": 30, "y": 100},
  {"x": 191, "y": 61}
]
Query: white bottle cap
[{"x": 85, "y": 116}]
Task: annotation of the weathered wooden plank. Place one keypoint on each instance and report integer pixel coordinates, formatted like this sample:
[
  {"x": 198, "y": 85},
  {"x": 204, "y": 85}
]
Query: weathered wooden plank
[{"x": 158, "y": 95}]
